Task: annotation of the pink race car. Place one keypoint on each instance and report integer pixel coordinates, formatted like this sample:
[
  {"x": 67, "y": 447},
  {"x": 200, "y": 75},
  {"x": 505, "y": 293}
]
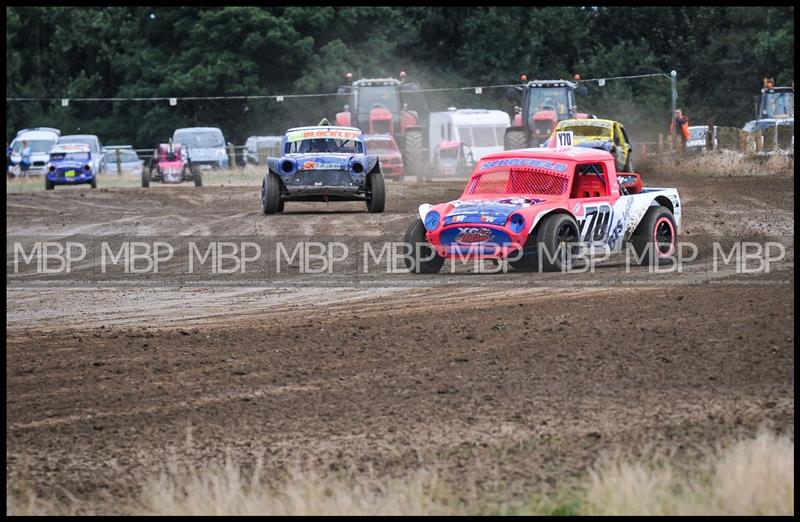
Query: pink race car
[
  {"x": 171, "y": 165},
  {"x": 540, "y": 207}
]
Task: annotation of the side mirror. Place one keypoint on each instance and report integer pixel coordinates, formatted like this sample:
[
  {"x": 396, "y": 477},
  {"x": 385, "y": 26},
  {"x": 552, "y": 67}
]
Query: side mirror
[{"x": 581, "y": 90}]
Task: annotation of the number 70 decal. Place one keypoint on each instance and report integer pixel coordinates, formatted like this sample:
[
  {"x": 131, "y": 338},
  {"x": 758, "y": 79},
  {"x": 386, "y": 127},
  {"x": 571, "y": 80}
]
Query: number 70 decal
[{"x": 595, "y": 223}]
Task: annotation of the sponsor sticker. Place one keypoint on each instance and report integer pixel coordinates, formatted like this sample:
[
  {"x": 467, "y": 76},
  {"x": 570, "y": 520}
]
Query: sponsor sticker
[
  {"x": 473, "y": 235},
  {"x": 322, "y": 133},
  {"x": 524, "y": 162}
]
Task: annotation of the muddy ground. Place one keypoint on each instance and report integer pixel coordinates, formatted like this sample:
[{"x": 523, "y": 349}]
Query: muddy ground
[{"x": 518, "y": 387}]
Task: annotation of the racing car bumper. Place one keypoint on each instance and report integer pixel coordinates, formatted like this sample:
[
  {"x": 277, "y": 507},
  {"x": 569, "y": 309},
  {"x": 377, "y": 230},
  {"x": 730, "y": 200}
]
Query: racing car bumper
[
  {"x": 59, "y": 178},
  {"x": 473, "y": 241}
]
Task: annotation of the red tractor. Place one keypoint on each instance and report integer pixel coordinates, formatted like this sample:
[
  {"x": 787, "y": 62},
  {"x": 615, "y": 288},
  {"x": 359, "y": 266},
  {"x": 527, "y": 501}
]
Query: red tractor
[
  {"x": 389, "y": 106},
  {"x": 544, "y": 104}
]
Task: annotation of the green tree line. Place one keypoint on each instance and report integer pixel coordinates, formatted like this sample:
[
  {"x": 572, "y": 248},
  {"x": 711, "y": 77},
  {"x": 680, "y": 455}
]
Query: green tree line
[{"x": 720, "y": 53}]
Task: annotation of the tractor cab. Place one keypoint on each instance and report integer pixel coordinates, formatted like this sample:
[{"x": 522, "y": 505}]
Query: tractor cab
[
  {"x": 388, "y": 106},
  {"x": 775, "y": 102},
  {"x": 544, "y": 104}
]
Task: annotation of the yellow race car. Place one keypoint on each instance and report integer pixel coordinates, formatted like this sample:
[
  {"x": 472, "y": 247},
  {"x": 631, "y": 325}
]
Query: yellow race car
[{"x": 594, "y": 133}]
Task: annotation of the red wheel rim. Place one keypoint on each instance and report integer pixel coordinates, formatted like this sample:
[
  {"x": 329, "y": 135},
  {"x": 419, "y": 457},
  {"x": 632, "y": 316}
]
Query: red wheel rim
[{"x": 664, "y": 237}]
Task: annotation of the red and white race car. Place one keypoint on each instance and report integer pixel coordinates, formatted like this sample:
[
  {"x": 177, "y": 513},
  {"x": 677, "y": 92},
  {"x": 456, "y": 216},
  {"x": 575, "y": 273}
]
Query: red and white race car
[{"x": 541, "y": 208}]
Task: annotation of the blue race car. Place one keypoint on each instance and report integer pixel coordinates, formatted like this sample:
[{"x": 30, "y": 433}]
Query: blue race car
[
  {"x": 323, "y": 163},
  {"x": 70, "y": 164}
]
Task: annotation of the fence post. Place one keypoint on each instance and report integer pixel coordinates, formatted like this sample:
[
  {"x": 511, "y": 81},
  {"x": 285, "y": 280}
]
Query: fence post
[
  {"x": 119, "y": 162},
  {"x": 231, "y": 156},
  {"x": 710, "y": 138}
]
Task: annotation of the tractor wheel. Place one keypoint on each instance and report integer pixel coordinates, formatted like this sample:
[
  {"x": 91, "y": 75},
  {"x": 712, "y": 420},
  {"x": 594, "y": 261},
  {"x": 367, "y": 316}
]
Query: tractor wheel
[
  {"x": 48, "y": 185},
  {"x": 271, "y": 194},
  {"x": 94, "y": 182},
  {"x": 424, "y": 259},
  {"x": 413, "y": 155},
  {"x": 145, "y": 179},
  {"x": 515, "y": 139},
  {"x": 376, "y": 197},
  {"x": 198, "y": 179},
  {"x": 655, "y": 239}
]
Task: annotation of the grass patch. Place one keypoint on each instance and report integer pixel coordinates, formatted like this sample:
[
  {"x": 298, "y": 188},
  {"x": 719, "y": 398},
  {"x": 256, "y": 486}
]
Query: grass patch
[{"x": 249, "y": 176}]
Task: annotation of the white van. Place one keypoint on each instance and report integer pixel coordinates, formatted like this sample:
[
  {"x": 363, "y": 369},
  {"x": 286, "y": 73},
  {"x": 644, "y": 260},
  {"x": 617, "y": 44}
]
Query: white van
[
  {"x": 204, "y": 145},
  {"x": 39, "y": 139},
  {"x": 481, "y": 130}
]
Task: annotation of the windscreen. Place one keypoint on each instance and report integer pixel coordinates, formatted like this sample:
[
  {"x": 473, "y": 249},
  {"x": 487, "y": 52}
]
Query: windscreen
[
  {"x": 91, "y": 142},
  {"x": 200, "y": 140},
  {"x": 69, "y": 156},
  {"x": 325, "y": 145},
  {"x": 35, "y": 145},
  {"x": 522, "y": 179}
]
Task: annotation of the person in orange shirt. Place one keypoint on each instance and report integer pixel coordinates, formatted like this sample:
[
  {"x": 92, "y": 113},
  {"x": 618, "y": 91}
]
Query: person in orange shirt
[{"x": 680, "y": 126}]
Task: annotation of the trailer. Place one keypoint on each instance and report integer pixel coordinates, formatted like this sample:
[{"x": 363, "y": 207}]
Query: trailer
[{"x": 480, "y": 130}]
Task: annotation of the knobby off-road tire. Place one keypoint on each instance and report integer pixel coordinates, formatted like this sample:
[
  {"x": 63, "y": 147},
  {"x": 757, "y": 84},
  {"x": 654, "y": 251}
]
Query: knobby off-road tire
[
  {"x": 413, "y": 155},
  {"x": 271, "y": 194},
  {"x": 515, "y": 139},
  {"x": 198, "y": 179},
  {"x": 94, "y": 182},
  {"x": 48, "y": 185},
  {"x": 421, "y": 249},
  {"x": 145, "y": 179},
  {"x": 553, "y": 244},
  {"x": 376, "y": 193},
  {"x": 655, "y": 238}
]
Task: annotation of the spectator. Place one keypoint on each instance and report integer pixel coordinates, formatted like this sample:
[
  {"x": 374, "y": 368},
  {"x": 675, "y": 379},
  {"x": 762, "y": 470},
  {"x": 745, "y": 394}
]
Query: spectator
[
  {"x": 680, "y": 127},
  {"x": 25, "y": 160},
  {"x": 9, "y": 163}
]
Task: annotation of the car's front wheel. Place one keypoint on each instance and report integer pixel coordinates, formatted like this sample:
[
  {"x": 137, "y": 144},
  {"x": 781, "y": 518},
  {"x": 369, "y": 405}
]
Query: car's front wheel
[
  {"x": 376, "y": 193},
  {"x": 271, "y": 194},
  {"x": 48, "y": 185},
  {"x": 94, "y": 182},
  {"x": 552, "y": 247},
  {"x": 423, "y": 258}
]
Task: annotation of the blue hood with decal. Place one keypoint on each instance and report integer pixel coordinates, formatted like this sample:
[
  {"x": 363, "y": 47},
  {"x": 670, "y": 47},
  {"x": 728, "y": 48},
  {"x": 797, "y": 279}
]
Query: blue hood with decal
[
  {"x": 322, "y": 161},
  {"x": 494, "y": 212}
]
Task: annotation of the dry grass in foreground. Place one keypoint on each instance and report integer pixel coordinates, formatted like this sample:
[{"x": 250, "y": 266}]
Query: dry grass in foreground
[{"x": 753, "y": 476}]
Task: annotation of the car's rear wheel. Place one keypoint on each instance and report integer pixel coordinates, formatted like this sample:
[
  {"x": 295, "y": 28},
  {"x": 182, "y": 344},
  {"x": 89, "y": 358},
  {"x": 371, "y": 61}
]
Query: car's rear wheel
[
  {"x": 271, "y": 194},
  {"x": 655, "y": 239},
  {"x": 94, "y": 182},
  {"x": 145, "y": 179},
  {"x": 423, "y": 258},
  {"x": 376, "y": 193},
  {"x": 198, "y": 179}
]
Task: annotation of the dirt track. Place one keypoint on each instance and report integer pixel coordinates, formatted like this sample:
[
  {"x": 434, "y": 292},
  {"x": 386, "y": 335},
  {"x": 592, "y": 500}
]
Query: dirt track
[{"x": 520, "y": 387}]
